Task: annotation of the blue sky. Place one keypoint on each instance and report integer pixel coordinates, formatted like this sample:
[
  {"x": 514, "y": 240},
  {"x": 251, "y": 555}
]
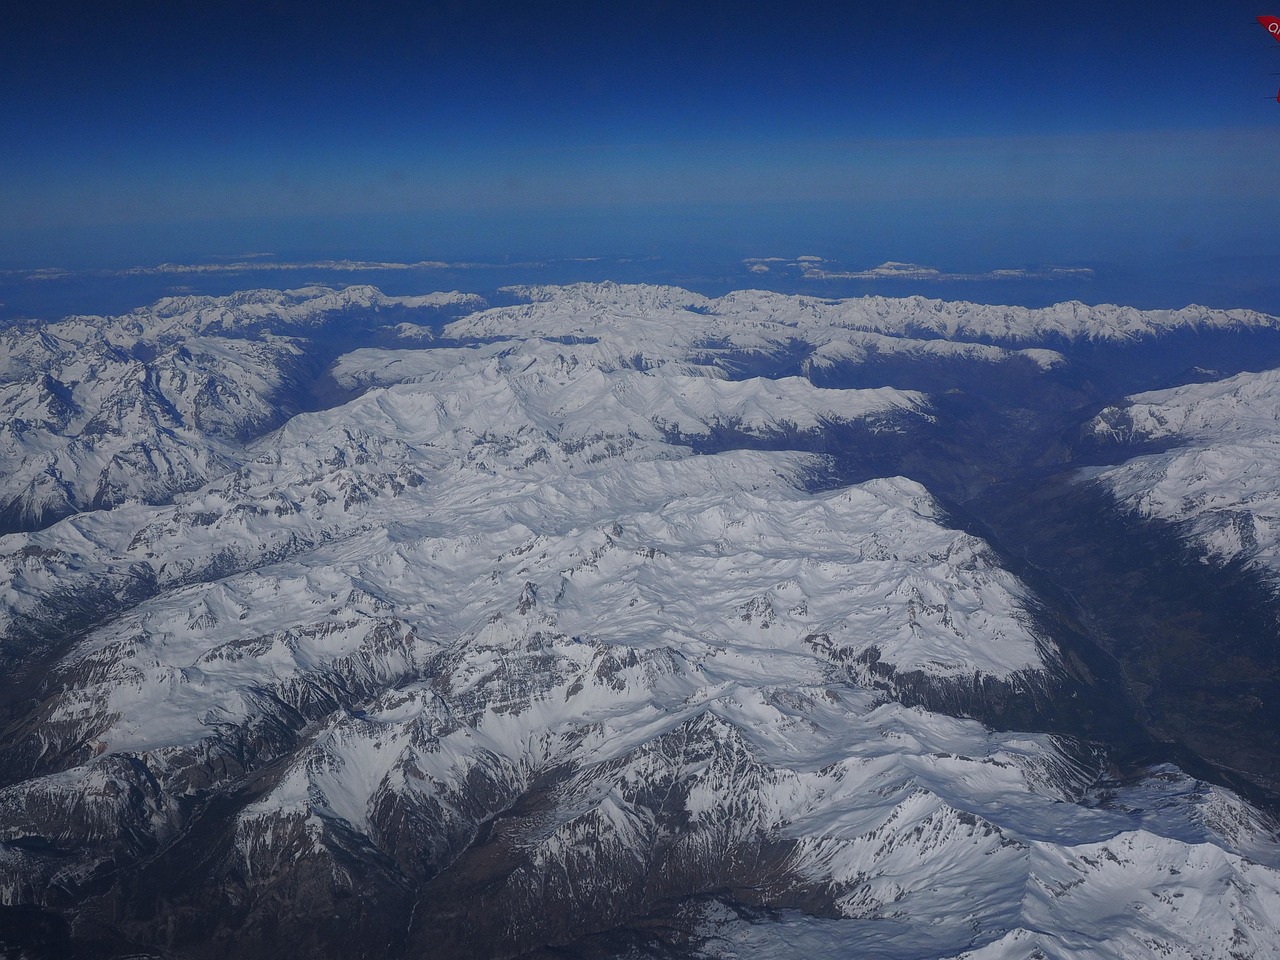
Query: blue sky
[{"x": 970, "y": 135}]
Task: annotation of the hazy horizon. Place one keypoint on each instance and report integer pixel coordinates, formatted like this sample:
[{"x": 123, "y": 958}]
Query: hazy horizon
[{"x": 915, "y": 131}]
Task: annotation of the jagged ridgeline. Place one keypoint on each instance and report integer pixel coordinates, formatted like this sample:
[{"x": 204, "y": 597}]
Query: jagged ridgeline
[{"x": 622, "y": 621}]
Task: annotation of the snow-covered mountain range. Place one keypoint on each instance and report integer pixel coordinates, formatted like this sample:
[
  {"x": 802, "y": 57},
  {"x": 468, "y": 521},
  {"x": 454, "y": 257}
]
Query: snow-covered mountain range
[
  {"x": 98, "y": 411},
  {"x": 1219, "y": 479},
  {"x": 561, "y": 627}
]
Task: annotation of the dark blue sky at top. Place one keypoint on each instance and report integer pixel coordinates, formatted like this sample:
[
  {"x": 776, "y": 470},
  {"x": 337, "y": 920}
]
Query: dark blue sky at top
[{"x": 963, "y": 134}]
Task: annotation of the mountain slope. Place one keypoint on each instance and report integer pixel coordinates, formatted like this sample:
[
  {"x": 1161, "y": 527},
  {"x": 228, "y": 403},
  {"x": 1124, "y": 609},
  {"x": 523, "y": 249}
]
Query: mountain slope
[{"x": 1220, "y": 481}]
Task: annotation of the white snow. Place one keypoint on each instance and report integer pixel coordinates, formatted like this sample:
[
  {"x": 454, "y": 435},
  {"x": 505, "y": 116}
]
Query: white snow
[
  {"x": 504, "y": 561},
  {"x": 1221, "y": 478}
]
